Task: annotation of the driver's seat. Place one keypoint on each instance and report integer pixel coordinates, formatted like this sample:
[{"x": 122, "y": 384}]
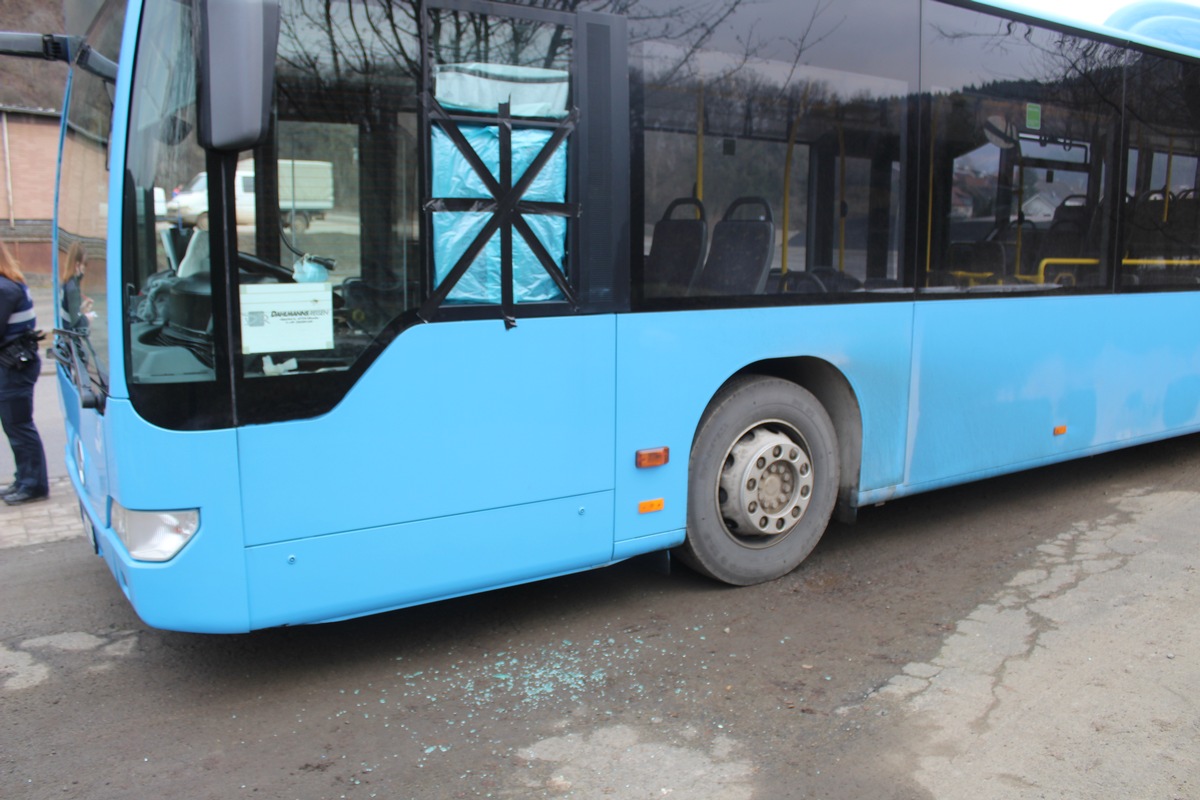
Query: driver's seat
[{"x": 196, "y": 259}]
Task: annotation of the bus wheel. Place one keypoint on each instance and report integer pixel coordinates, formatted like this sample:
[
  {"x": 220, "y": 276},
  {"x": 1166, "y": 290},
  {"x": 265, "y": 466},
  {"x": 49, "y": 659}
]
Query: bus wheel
[{"x": 762, "y": 481}]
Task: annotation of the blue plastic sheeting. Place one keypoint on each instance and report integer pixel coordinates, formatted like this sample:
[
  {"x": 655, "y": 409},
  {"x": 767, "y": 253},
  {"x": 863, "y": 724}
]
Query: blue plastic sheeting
[
  {"x": 453, "y": 176},
  {"x": 453, "y": 232},
  {"x": 529, "y": 91}
]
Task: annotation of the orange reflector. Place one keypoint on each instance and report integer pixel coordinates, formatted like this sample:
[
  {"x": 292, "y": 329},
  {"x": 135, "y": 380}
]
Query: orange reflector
[
  {"x": 647, "y": 506},
  {"x": 654, "y": 457},
  {"x": 1059, "y": 430}
]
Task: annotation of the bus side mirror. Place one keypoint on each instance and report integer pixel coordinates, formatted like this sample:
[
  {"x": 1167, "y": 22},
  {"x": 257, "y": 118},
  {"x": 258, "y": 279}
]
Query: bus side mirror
[{"x": 238, "y": 39}]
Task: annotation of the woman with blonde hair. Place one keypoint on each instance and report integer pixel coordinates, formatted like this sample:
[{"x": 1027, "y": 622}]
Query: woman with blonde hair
[
  {"x": 76, "y": 306},
  {"x": 17, "y": 323}
]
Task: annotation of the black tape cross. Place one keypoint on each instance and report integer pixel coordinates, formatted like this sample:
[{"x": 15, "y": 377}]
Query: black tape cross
[{"x": 506, "y": 207}]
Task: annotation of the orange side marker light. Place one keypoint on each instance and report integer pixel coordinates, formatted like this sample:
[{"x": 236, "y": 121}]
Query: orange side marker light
[
  {"x": 648, "y": 506},
  {"x": 1059, "y": 430},
  {"x": 654, "y": 457}
]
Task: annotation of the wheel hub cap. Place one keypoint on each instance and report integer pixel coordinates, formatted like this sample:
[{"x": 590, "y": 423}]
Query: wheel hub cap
[{"x": 765, "y": 485}]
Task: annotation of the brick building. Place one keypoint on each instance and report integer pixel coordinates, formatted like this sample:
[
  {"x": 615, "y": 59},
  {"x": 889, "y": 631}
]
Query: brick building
[
  {"x": 28, "y": 157},
  {"x": 31, "y": 96}
]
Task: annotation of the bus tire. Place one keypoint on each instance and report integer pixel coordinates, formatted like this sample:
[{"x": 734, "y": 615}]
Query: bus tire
[{"x": 762, "y": 481}]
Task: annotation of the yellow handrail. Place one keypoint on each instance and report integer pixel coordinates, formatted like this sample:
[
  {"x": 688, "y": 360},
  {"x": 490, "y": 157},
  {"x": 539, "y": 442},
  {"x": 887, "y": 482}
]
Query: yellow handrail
[
  {"x": 699, "y": 147},
  {"x": 787, "y": 193},
  {"x": 841, "y": 210},
  {"x": 1160, "y": 262},
  {"x": 1040, "y": 275},
  {"x": 1167, "y": 186},
  {"x": 929, "y": 221}
]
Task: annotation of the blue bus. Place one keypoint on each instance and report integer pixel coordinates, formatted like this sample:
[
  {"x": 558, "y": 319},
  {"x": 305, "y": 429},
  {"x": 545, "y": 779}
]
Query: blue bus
[{"x": 601, "y": 278}]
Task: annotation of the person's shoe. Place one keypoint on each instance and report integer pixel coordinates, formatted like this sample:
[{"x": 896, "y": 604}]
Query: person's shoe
[
  {"x": 12, "y": 487},
  {"x": 22, "y": 496}
]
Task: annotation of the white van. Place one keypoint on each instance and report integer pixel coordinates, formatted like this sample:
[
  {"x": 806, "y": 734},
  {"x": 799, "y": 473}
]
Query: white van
[{"x": 305, "y": 194}]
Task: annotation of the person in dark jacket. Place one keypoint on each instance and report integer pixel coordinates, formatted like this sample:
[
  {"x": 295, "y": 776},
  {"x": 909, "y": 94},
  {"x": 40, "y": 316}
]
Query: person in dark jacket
[
  {"x": 17, "y": 318},
  {"x": 76, "y": 306}
]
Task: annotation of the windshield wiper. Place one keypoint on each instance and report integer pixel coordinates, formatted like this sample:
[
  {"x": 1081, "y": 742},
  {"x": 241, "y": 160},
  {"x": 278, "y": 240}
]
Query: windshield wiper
[{"x": 72, "y": 349}]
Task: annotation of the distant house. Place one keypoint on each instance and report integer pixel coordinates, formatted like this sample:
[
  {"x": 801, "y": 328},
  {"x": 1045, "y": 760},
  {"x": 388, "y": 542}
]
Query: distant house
[
  {"x": 962, "y": 203},
  {"x": 1040, "y": 207}
]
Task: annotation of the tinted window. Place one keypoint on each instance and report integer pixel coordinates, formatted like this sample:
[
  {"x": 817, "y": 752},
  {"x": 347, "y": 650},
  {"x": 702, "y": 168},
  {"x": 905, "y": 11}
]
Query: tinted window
[
  {"x": 1161, "y": 222},
  {"x": 773, "y": 140},
  {"x": 1025, "y": 126}
]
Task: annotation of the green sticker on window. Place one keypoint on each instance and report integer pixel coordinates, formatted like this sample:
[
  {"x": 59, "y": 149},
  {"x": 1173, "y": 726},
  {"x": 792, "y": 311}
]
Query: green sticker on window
[{"x": 1033, "y": 116}]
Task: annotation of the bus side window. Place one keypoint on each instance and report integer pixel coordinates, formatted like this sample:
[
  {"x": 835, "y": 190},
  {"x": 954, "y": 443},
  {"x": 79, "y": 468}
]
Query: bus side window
[
  {"x": 1021, "y": 173},
  {"x": 1161, "y": 245}
]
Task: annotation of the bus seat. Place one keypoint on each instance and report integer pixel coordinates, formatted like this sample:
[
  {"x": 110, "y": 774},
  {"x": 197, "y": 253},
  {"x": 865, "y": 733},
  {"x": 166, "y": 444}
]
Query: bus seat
[
  {"x": 676, "y": 251},
  {"x": 775, "y": 278},
  {"x": 1184, "y": 223},
  {"x": 1073, "y": 208},
  {"x": 801, "y": 282},
  {"x": 836, "y": 280},
  {"x": 195, "y": 260},
  {"x": 1146, "y": 231},
  {"x": 739, "y": 258},
  {"x": 819, "y": 279},
  {"x": 374, "y": 306},
  {"x": 976, "y": 257}
]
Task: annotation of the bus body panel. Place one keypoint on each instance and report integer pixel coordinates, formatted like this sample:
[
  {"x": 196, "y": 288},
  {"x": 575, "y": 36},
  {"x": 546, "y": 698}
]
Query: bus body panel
[
  {"x": 1001, "y": 384},
  {"x": 84, "y": 446},
  {"x": 325, "y": 578},
  {"x": 174, "y": 470},
  {"x": 672, "y": 364},
  {"x": 435, "y": 428}
]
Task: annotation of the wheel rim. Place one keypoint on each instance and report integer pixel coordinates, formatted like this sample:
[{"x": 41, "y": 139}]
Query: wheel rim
[{"x": 765, "y": 484}]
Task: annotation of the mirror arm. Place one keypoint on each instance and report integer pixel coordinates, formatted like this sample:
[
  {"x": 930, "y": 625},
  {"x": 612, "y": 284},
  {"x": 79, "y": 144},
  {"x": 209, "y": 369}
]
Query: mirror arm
[{"x": 49, "y": 46}]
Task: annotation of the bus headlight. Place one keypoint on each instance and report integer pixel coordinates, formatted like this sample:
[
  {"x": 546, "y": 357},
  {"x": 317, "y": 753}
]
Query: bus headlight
[{"x": 154, "y": 535}]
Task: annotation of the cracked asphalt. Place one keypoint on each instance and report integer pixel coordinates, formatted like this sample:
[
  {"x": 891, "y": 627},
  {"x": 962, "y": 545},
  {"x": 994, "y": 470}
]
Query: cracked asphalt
[{"x": 1031, "y": 636}]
